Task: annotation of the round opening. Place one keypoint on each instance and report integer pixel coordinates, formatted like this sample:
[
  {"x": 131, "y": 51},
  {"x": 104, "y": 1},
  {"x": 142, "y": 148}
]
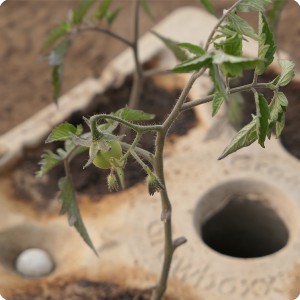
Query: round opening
[
  {"x": 244, "y": 228},
  {"x": 26, "y": 249},
  {"x": 241, "y": 224}
]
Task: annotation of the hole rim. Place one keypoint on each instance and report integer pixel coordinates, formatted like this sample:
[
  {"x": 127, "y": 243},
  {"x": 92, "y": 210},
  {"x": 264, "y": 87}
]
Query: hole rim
[{"x": 205, "y": 209}]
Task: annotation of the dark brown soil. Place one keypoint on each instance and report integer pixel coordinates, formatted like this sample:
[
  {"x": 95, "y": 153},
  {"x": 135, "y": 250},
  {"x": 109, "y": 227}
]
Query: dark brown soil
[
  {"x": 92, "y": 180},
  {"x": 85, "y": 290}
]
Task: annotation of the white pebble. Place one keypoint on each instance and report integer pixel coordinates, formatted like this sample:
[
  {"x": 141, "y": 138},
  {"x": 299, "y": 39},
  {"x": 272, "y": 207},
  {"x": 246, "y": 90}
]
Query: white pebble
[{"x": 34, "y": 262}]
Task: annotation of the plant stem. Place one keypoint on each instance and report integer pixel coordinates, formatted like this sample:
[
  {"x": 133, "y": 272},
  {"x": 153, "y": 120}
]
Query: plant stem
[
  {"x": 177, "y": 108},
  {"x": 243, "y": 88},
  {"x": 219, "y": 23},
  {"x": 169, "y": 245},
  {"x": 166, "y": 215},
  {"x": 135, "y": 127},
  {"x": 141, "y": 152},
  {"x": 105, "y": 31},
  {"x": 160, "y": 289},
  {"x": 138, "y": 75}
]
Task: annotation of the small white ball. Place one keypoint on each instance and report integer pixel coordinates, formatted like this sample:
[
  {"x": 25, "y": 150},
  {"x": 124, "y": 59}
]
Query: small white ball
[{"x": 34, "y": 262}]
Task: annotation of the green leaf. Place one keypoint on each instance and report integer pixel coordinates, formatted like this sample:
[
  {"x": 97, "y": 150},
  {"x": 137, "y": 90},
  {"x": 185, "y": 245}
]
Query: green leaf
[
  {"x": 61, "y": 132},
  {"x": 266, "y": 45},
  {"x": 208, "y": 6},
  {"x": 232, "y": 45},
  {"x": 215, "y": 76},
  {"x": 173, "y": 46},
  {"x": 48, "y": 162},
  {"x": 274, "y": 14},
  {"x": 56, "y": 60},
  {"x": 253, "y": 5},
  {"x": 56, "y": 33},
  {"x": 245, "y": 137},
  {"x": 282, "y": 100},
  {"x": 57, "y": 55},
  {"x": 50, "y": 159},
  {"x": 193, "y": 64},
  {"x": 220, "y": 94},
  {"x": 217, "y": 102},
  {"x": 111, "y": 16},
  {"x": 233, "y": 66},
  {"x": 287, "y": 73},
  {"x": 280, "y": 125},
  {"x": 147, "y": 9},
  {"x": 194, "y": 49},
  {"x": 81, "y": 10},
  {"x": 56, "y": 81},
  {"x": 277, "y": 106},
  {"x": 129, "y": 114},
  {"x": 242, "y": 27},
  {"x": 220, "y": 58},
  {"x": 262, "y": 120},
  {"x": 69, "y": 205},
  {"x": 226, "y": 30},
  {"x": 234, "y": 110},
  {"x": 103, "y": 8}
]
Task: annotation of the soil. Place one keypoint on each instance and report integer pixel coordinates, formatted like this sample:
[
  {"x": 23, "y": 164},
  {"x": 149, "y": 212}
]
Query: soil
[
  {"x": 40, "y": 192},
  {"x": 85, "y": 290},
  {"x": 25, "y": 85}
]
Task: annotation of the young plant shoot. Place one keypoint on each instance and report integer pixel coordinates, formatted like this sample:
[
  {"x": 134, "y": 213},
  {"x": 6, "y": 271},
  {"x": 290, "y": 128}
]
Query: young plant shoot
[{"x": 221, "y": 58}]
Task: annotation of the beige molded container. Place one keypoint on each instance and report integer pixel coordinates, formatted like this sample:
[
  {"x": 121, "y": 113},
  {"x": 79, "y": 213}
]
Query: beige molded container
[{"x": 240, "y": 215}]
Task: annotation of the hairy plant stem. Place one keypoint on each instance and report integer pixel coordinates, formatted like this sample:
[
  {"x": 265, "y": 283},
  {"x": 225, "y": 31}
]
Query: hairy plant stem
[
  {"x": 170, "y": 245},
  {"x": 166, "y": 214},
  {"x": 161, "y": 286},
  {"x": 243, "y": 88},
  {"x": 135, "y": 127}
]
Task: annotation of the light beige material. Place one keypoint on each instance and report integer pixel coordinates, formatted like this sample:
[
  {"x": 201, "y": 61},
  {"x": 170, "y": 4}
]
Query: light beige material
[{"x": 126, "y": 228}]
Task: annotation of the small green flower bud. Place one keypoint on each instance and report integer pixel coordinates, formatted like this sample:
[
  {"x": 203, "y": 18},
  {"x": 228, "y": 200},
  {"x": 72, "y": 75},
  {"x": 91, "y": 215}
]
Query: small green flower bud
[
  {"x": 154, "y": 184},
  {"x": 112, "y": 182}
]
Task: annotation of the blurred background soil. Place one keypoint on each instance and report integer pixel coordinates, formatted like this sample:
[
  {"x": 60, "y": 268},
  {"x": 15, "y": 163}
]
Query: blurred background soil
[{"x": 25, "y": 78}]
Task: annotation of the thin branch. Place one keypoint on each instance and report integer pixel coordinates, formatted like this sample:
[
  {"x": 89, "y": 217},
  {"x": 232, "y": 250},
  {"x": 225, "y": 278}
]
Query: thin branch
[
  {"x": 67, "y": 169},
  {"x": 135, "y": 127},
  {"x": 179, "y": 241},
  {"x": 219, "y": 23},
  {"x": 141, "y": 152},
  {"x": 105, "y": 31},
  {"x": 137, "y": 158},
  {"x": 243, "y": 88},
  {"x": 132, "y": 146},
  {"x": 177, "y": 108},
  {"x": 138, "y": 76},
  {"x": 136, "y": 37},
  {"x": 255, "y": 77}
]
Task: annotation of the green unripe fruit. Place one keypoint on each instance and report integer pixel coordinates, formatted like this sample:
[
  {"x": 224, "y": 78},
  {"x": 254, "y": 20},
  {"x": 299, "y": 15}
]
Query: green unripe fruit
[{"x": 103, "y": 159}]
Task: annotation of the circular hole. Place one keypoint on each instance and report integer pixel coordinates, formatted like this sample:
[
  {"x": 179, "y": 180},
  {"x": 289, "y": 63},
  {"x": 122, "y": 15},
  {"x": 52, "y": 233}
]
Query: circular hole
[
  {"x": 244, "y": 228},
  {"x": 239, "y": 223},
  {"x": 31, "y": 239}
]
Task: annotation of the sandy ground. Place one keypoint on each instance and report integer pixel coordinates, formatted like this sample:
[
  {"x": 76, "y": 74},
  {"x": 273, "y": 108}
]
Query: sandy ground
[{"x": 25, "y": 79}]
